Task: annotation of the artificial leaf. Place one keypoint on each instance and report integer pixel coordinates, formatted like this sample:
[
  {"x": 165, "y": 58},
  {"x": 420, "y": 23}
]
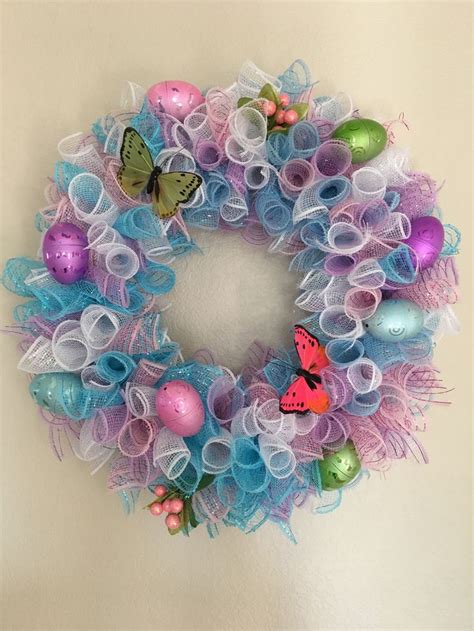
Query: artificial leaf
[
  {"x": 243, "y": 101},
  {"x": 300, "y": 108},
  {"x": 206, "y": 480},
  {"x": 268, "y": 92}
]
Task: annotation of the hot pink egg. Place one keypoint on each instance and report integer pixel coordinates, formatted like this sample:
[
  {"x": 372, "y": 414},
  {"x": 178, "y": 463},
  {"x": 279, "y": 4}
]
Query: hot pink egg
[
  {"x": 426, "y": 240},
  {"x": 177, "y": 98},
  {"x": 64, "y": 252},
  {"x": 179, "y": 407}
]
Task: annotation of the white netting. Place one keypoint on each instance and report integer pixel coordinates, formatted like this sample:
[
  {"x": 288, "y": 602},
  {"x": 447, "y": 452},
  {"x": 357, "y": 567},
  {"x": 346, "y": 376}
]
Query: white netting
[
  {"x": 396, "y": 228},
  {"x": 308, "y": 205},
  {"x": 197, "y": 124},
  {"x": 70, "y": 348},
  {"x": 39, "y": 357},
  {"x": 336, "y": 109},
  {"x": 257, "y": 174},
  {"x": 277, "y": 455},
  {"x": 367, "y": 274},
  {"x": 238, "y": 152},
  {"x": 174, "y": 159},
  {"x": 295, "y": 176},
  {"x": 360, "y": 304},
  {"x": 245, "y": 423},
  {"x": 234, "y": 209},
  {"x": 100, "y": 325},
  {"x": 80, "y": 150},
  {"x": 91, "y": 202},
  {"x": 335, "y": 323},
  {"x": 88, "y": 450},
  {"x": 101, "y": 233},
  {"x": 132, "y": 96},
  {"x": 216, "y": 453},
  {"x": 393, "y": 165},
  {"x": 92, "y": 379},
  {"x": 220, "y": 103},
  {"x": 364, "y": 375},
  {"x": 170, "y": 453},
  {"x": 368, "y": 183},
  {"x": 251, "y": 80},
  {"x": 140, "y": 400},
  {"x": 344, "y": 238},
  {"x": 118, "y": 259},
  {"x": 248, "y": 125}
]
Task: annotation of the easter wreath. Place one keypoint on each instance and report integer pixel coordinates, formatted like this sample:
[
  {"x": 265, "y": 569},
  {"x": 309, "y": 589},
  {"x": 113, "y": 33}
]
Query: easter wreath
[{"x": 307, "y": 176}]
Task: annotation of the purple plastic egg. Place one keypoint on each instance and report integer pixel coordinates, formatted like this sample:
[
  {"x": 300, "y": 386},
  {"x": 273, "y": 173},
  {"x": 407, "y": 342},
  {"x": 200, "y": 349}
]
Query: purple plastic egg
[
  {"x": 426, "y": 240},
  {"x": 179, "y": 407},
  {"x": 64, "y": 252},
  {"x": 177, "y": 98}
]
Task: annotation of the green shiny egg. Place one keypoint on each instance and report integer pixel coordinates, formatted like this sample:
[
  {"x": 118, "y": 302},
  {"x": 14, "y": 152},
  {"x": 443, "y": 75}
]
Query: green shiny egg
[
  {"x": 366, "y": 138},
  {"x": 56, "y": 391},
  {"x": 339, "y": 468}
]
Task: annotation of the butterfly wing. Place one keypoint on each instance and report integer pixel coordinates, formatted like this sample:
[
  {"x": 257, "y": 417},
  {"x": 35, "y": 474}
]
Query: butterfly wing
[
  {"x": 301, "y": 398},
  {"x": 137, "y": 163},
  {"x": 172, "y": 189},
  {"x": 311, "y": 355}
]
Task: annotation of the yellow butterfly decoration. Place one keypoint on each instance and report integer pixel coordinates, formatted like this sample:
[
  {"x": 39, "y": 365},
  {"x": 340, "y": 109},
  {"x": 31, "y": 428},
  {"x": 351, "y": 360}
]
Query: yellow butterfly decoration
[{"x": 138, "y": 174}]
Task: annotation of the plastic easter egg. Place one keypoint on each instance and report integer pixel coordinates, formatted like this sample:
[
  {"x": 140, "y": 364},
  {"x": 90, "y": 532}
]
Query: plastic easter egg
[
  {"x": 177, "y": 98},
  {"x": 64, "y": 252},
  {"x": 395, "y": 321},
  {"x": 56, "y": 391},
  {"x": 426, "y": 241},
  {"x": 339, "y": 468},
  {"x": 366, "y": 138},
  {"x": 179, "y": 407}
]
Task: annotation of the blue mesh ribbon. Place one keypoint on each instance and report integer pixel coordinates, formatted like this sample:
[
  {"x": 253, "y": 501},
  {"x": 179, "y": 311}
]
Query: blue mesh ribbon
[
  {"x": 138, "y": 223},
  {"x": 398, "y": 266},
  {"x": 115, "y": 366},
  {"x": 63, "y": 174}
]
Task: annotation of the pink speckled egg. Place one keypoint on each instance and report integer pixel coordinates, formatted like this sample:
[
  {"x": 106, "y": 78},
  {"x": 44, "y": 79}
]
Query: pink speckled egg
[
  {"x": 426, "y": 240},
  {"x": 64, "y": 252},
  {"x": 177, "y": 98},
  {"x": 179, "y": 407}
]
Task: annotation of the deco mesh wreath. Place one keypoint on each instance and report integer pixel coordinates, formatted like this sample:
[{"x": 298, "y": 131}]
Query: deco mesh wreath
[{"x": 309, "y": 178}]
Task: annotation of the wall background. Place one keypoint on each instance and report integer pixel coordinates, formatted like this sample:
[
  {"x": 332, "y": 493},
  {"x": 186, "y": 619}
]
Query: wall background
[{"x": 397, "y": 553}]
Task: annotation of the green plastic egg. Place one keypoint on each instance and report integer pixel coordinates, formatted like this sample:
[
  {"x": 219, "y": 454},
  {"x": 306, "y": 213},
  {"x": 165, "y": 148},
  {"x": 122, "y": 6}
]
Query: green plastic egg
[
  {"x": 366, "y": 138},
  {"x": 56, "y": 391},
  {"x": 339, "y": 468}
]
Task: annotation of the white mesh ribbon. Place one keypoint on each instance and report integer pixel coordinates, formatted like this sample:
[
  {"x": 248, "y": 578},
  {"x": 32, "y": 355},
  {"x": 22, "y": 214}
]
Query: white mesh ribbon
[
  {"x": 251, "y": 80},
  {"x": 344, "y": 238},
  {"x": 170, "y": 453},
  {"x": 132, "y": 96},
  {"x": 207, "y": 506},
  {"x": 91, "y": 202},
  {"x": 216, "y": 454},
  {"x": 136, "y": 436},
  {"x": 140, "y": 400},
  {"x": 234, "y": 209},
  {"x": 220, "y": 104},
  {"x": 367, "y": 274},
  {"x": 92, "y": 379},
  {"x": 360, "y": 304},
  {"x": 336, "y": 109},
  {"x": 100, "y": 325},
  {"x": 396, "y": 228},
  {"x": 87, "y": 449},
  {"x": 257, "y": 174},
  {"x": 248, "y": 126},
  {"x": 113, "y": 255},
  {"x": 70, "y": 347},
  {"x": 39, "y": 357},
  {"x": 335, "y": 323},
  {"x": 393, "y": 165},
  {"x": 80, "y": 150},
  {"x": 277, "y": 455},
  {"x": 197, "y": 124},
  {"x": 308, "y": 206},
  {"x": 245, "y": 423},
  {"x": 271, "y": 421},
  {"x": 367, "y": 184},
  {"x": 364, "y": 375}
]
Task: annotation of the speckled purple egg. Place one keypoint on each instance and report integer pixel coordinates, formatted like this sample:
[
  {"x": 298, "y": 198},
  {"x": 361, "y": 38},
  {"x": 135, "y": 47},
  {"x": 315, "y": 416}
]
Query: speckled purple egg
[
  {"x": 179, "y": 407},
  {"x": 426, "y": 240},
  {"x": 64, "y": 252},
  {"x": 177, "y": 98}
]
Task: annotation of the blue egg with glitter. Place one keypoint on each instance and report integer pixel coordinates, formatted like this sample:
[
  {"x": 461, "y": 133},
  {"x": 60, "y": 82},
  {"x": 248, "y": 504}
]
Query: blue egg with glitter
[
  {"x": 56, "y": 391},
  {"x": 395, "y": 321}
]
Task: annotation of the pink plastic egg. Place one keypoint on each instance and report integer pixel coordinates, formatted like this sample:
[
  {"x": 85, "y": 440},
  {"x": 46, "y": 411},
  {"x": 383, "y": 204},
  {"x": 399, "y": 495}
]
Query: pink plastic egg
[
  {"x": 426, "y": 240},
  {"x": 177, "y": 98},
  {"x": 179, "y": 407},
  {"x": 64, "y": 252}
]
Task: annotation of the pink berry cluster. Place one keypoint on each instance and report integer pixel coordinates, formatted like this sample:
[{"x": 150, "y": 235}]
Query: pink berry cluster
[
  {"x": 166, "y": 504},
  {"x": 282, "y": 115}
]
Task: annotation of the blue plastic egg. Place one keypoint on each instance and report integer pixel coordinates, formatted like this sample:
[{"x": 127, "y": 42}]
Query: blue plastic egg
[
  {"x": 395, "y": 321},
  {"x": 56, "y": 391}
]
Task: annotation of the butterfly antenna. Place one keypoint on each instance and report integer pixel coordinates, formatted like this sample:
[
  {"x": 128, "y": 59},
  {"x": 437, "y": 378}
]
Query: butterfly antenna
[{"x": 281, "y": 361}]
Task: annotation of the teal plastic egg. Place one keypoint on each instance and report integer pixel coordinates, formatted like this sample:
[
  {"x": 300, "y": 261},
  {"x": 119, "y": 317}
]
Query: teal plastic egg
[
  {"x": 56, "y": 391},
  {"x": 395, "y": 321},
  {"x": 366, "y": 138}
]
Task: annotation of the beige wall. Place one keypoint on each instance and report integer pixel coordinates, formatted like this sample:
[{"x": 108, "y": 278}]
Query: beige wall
[{"x": 397, "y": 553}]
